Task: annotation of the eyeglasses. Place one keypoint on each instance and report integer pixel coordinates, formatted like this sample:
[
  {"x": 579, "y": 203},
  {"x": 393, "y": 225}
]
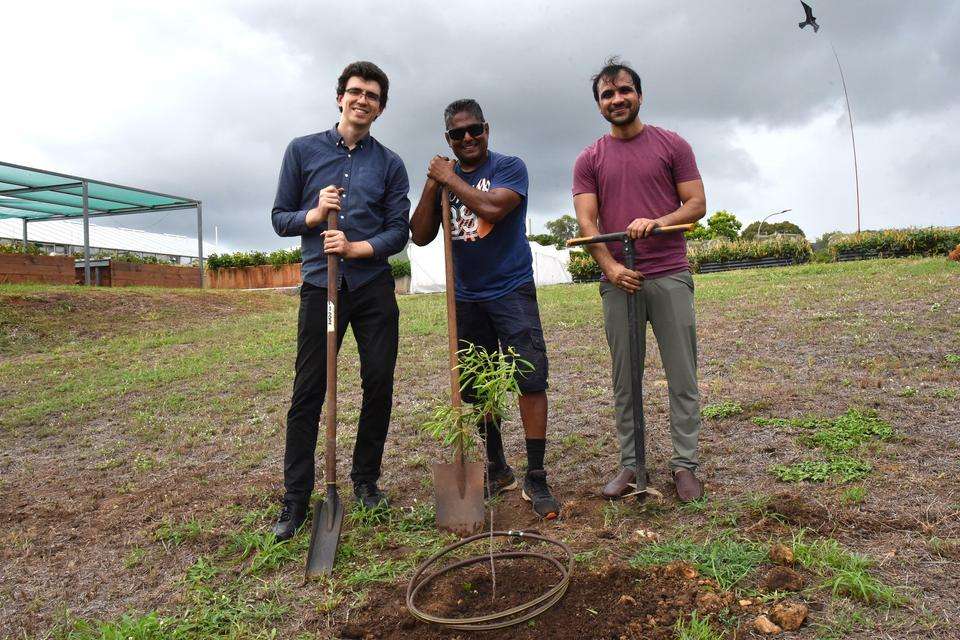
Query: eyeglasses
[
  {"x": 475, "y": 131},
  {"x": 356, "y": 93}
]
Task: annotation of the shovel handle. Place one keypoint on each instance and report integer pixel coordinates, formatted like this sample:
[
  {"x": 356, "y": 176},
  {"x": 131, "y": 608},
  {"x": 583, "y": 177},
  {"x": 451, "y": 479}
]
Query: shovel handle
[
  {"x": 330, "y": 457},
  {"x": 621, "y": 235},
  {"x": 450, "y": 284}
]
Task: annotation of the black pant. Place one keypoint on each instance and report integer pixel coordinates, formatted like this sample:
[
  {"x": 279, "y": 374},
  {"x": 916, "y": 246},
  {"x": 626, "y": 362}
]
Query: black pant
[{"x": 372, "y": 312}]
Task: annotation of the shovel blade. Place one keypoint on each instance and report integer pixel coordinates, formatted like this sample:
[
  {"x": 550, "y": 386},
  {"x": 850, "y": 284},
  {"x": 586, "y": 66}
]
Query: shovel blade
[
  {"x": 324, "y": 535},
  {"x": 458, "y": 489}
]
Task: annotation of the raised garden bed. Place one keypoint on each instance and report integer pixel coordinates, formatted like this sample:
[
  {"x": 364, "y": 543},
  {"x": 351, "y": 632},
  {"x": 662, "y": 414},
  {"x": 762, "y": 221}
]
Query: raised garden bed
[{"x": 20, "y": 267}]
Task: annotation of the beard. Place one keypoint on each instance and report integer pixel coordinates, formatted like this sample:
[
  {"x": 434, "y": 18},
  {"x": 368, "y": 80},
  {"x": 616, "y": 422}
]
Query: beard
[{"x": 626, "y": 120}]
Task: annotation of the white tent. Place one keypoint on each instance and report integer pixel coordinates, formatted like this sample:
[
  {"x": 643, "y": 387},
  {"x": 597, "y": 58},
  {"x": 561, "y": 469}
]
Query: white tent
[{"x": 427, "y": 272}]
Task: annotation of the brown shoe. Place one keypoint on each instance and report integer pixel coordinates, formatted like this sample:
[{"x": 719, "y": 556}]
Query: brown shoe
[
  {"x": 688, "y": 487},
  {"x": 620, "y": 485}
]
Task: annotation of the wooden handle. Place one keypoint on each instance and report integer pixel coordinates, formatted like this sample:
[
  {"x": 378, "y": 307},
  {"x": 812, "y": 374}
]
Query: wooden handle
[
  {"x": 333, "y": 264},
  {"x": 572, "y": 242},
  {"x": 452, "y": 343}
]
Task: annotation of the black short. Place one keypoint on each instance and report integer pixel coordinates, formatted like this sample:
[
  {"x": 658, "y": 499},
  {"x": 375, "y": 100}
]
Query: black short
[{"x": 512, "y": 320}]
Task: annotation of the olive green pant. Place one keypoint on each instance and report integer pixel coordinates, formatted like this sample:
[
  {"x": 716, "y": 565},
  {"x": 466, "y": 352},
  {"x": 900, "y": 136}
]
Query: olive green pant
[{"x": 667, "y": 304}]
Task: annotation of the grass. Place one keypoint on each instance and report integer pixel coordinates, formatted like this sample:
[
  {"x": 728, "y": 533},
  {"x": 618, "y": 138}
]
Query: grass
[
  {"x": 696, "y": 628},
  {"x": 854, "y": 495},
  {"x": 721, "y": 410},
  {"x": 156, "y": 383},
  {"x": 727, "y": 558},
  {"x": 845, "y": 573}
]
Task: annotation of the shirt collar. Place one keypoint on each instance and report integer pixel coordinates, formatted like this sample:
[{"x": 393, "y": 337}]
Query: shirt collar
[{"x": 338, "y": 139}]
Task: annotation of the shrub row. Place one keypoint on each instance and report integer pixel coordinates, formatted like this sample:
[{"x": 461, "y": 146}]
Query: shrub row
[
  {"x": 930, "y": 241},
  {"x": 583, "y": 267},
  {"x": 398, "y": 267},
  {"x": 17, "y": 247},
  {"x": 253, "y": 258}
]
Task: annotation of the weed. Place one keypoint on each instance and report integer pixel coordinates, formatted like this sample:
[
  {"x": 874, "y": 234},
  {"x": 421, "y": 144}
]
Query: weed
[
  {"x": 952, "y": 358},
  {"x": 201, "y": 571},
  {"x": 945, "y": 394},
  {"x": 612, "y": 513},
  {"x": 854, "y": 495},
  {"x": 840, "y": 434},
  {"x": 842, "y": 468},
  {"x": 266, "y": 551},
  {"x": 907, "y": 392},
  {"x": 573, "y": 441},
  {"x": 721, "y": 410},
  {"x": 176, "y": 533},
  {"x": 134, "y": 558},
  {"x": 695, "y": 628}
]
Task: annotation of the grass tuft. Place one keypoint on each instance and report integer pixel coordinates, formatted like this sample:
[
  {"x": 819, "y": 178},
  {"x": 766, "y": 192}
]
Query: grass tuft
[
  {"x": 696, "y": 628},
  {"x": 728, "y": 559},
  {"x": 721, "y": 410}
]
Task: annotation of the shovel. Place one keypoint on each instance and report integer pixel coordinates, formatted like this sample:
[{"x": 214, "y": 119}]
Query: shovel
[
  {"x": 636, "y": 375},
  {"x": 458, "y": 486},
  {"x": 328, "y": 512}
]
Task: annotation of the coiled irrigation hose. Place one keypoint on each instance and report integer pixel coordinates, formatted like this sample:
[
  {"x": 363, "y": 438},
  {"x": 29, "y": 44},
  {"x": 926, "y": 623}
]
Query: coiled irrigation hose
[{"x": 499, "y": 620}]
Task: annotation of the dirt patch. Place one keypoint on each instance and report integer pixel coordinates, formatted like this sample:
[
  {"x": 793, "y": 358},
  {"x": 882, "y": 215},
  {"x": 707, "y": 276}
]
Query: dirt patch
[
  {"x": 799, "y": 510},
  {"x": 613, "y": 602}
]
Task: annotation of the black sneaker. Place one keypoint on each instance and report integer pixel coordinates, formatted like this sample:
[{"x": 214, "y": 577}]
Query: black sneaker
[
  {"x": 501, "y": 479},
  {"x": 369, "y": 495},
  {"x": 290, "y": 520},
  {"x": 536, "y": 492}
]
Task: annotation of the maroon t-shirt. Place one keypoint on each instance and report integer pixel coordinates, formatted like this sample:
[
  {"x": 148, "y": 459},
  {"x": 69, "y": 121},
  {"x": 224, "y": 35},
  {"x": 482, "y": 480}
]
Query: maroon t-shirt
[{"x": 637, "y": 178}]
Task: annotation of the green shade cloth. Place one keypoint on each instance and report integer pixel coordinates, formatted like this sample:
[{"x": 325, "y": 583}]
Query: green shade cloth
[{"x": 63, "y": 196}]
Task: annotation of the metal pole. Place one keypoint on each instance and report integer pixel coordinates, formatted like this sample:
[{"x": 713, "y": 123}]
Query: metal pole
[
  {"x": 24, "y": 235},
  {"x": 765, "y": 219},
  {"x": 636, "y": 377},
  {"x": 853, "y": 142},
  {"x": 86, "y": 234},
  {"x": 200, "y": 239}
]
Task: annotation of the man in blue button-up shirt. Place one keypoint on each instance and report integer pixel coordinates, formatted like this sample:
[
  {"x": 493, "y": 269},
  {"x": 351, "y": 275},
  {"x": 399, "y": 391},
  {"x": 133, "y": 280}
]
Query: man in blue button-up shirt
[{"x": 343, "y": 172}]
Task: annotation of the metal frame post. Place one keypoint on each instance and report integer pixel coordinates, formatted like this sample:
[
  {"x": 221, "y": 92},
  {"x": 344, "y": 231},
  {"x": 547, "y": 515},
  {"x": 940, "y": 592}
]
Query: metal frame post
[
  {"x": 25, "y": 235},
  {"x": 86, "y": 234},
  {"x": 200, "y": 240}
]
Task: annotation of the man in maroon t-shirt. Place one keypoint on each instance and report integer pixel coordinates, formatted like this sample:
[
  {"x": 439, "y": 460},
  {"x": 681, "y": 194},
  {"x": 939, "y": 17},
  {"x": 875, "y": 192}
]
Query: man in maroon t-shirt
[{"x": 637, "y": 178}]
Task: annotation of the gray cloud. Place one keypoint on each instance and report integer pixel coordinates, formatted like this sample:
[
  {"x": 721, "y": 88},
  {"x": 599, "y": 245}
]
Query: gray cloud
[{"x": 219, "y": 94}]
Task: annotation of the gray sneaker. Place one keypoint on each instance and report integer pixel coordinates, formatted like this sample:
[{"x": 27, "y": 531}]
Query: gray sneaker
[{"x": 537, "y": 493}]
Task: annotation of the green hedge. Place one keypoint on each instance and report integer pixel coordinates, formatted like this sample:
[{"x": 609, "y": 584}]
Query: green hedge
[
  {"x": 17, "y": 247},
  {"x": 253, "y": 258},
  {"x": 725, "y": 251},
  {"x": 931, "y": 241},
  {"x": 583, "y": 267},
  {"x": 399, "y": 267}
]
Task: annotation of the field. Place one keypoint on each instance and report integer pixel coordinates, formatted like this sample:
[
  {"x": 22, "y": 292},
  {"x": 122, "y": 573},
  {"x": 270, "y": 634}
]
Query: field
[{"x": 141, "y": 437}]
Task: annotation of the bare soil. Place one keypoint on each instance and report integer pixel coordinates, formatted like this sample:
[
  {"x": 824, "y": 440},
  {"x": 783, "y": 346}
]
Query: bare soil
[{"x": 781, "y": 346}]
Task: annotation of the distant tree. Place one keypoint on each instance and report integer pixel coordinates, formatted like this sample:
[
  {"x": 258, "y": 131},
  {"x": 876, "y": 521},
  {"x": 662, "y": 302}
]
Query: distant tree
[
  {"x": 750, "y": 231},
  {"x": 546, "y": 239},
  {"x": 563, "y": 228},
  {"x": 722, "y": 224},
  {"x": 821, "y": 243}
]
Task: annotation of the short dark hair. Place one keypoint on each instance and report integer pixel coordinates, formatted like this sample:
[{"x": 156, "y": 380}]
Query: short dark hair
[
  {"x": 611, "y": 69},
  {"x": 369, "y": 72},
  {"x": 469, "y": 105}
]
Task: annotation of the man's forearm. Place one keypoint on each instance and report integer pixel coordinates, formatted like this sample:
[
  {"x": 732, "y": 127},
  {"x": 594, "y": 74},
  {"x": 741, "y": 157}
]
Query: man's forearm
[
  {"x": 426, "y": 219},
  {"x": 599, "y": 251},
  {"x": 477, "y": 201},
  {"x": 690, "y": 211}
]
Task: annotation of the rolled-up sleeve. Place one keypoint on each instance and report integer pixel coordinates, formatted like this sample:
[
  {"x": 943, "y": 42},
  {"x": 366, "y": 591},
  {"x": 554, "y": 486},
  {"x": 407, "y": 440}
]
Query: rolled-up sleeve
[
  {"x": 396, "y": 208},
  {"x": 288, "y": 218}
]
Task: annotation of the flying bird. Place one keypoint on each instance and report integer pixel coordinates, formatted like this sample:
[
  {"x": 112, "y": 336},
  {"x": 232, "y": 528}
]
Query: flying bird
[{"x": 810, "y": 19}]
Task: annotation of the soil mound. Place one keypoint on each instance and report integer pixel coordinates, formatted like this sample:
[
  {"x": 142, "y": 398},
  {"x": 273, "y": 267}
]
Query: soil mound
[{"x": 612, "y": 602}]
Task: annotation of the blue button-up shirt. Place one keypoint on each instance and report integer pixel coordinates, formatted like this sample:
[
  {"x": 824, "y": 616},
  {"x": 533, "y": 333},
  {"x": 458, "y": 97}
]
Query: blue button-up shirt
[{"x": 374, "y": 207}]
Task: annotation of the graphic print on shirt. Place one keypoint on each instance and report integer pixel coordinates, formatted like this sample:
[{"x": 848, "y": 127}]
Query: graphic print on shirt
[{"x": 465, "y": 224}]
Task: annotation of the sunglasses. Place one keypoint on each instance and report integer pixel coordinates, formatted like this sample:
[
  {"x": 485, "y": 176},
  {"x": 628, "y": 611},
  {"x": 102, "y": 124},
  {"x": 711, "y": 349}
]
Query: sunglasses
[{"x": 475, "y": 131}]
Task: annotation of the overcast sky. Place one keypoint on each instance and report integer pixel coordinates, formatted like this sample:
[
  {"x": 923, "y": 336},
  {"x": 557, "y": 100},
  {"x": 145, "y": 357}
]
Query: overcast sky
[{"x": 200, "y": 98}]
